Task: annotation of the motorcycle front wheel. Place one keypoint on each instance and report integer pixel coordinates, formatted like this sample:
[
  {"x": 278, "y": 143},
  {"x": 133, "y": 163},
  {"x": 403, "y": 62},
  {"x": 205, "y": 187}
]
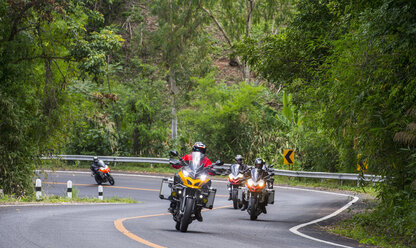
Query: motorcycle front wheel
[
  {"x": 186, "y": 218},
  {"x": 110, "y": 179},
  {"x": 253, "y": 208},
  {"x": 98, "y": 179},
  {"x": 234, "y": 197}
]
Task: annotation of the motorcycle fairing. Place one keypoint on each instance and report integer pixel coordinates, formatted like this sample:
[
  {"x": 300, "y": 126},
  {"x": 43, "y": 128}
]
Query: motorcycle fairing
[
  {"x": 255, "y": 183},
  {"x": 193, "y": 175}
]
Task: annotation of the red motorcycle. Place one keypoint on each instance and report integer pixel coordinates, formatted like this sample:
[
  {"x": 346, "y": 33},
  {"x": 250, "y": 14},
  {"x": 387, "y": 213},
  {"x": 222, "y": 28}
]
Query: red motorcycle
[{"x": 236, "y": 182}]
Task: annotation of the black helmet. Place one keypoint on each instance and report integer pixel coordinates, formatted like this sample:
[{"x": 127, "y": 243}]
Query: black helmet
[
  {"x": 239, "y": 159},
  {"x": 199, "y": 147},
  {"x": 95, "y": 159},
  {"x": 258, "y": 163}
]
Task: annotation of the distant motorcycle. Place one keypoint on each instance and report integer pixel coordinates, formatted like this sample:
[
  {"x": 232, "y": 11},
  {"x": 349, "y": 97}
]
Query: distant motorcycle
[
  {"x": 236, "y": 182},
  {"x": 258, "y": 195},
  {"x": 190, "y": 189},
  {"x": 103, "y": 174}
]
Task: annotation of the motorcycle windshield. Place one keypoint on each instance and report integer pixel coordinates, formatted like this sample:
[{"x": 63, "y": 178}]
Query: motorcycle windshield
[
  {"x": 255, "y": 174},
  {"x": 195, "y": 166},
  {"x": 235, "y": 169},
  {"x": 101, "y": 164}
]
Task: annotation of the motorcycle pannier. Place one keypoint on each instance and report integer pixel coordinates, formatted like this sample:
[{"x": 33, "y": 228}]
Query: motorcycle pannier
[
  {"x": 165, "y": 188},
  {"x": 271, "y": 196},
  {"x": 211, "y": 198}
]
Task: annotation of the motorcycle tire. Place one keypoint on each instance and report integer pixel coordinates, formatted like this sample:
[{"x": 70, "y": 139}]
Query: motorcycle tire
[
  {"x": 234, "y": 197},
  {"x": 253, "y": 208},
  {"x": 110, "y": 179},
  {"x": 98, "y": 179},
  {"x": 186, "y": 218}
]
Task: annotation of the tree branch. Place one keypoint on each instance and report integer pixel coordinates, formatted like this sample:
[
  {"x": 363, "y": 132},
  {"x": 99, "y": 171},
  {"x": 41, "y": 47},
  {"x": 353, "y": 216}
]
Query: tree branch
[{"x": 218, "y": 25}]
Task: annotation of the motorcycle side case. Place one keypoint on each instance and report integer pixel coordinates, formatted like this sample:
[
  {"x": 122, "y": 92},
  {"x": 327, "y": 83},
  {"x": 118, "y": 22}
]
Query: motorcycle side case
[
  {"x": 211, "y": 198},
  {"x": 271, "y": 196},
  {"x": 166, "y": 188}
]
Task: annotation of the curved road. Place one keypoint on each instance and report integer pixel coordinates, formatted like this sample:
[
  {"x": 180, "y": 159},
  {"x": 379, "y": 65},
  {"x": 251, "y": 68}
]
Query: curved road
[{"x": 147, "y": 224}]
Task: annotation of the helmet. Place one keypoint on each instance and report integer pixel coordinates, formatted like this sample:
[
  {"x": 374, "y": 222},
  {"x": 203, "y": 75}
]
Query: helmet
[
  {"x": 95, "y": 159},
  {"x": 239, "y": 159},
  {"x": 258, "y": 163},
  {"x": 199, "y": 147}
]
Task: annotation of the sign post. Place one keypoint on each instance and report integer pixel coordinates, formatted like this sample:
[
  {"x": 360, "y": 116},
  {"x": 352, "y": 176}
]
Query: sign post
[{"x": 288, "y": 157}]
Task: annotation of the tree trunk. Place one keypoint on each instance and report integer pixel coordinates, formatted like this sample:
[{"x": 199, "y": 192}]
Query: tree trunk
[{"x": 174, "y": 90}]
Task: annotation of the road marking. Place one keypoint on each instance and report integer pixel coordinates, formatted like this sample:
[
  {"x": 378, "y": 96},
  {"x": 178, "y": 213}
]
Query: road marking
[
  {"x": 120, "y": 227},
  {"x": 296, "y": 228}
]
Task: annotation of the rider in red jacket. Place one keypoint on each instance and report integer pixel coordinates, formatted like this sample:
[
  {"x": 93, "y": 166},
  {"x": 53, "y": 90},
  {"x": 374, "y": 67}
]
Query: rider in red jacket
[{"x": 197, "y": 147}]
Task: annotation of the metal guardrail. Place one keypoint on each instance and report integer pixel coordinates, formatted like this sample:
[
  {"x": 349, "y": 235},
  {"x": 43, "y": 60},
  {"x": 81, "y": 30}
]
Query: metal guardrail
[{"x": 289, "y": 173}]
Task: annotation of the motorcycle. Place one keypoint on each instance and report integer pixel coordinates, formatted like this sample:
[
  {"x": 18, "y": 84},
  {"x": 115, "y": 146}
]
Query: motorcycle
[
  {"x": 190, "y": 190},
  {"x": 258, "y": 195},
  {"x": 236, "y": 181},
  {"x": 103, "y": 174}
]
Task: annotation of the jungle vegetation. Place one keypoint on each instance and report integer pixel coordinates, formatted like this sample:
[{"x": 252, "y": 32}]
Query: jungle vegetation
[{"x": 332, "y": 79}]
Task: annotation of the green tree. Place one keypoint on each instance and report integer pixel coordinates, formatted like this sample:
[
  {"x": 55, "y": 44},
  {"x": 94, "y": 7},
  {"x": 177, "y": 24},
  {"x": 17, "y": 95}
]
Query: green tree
[{"x": 38, "y": 61}]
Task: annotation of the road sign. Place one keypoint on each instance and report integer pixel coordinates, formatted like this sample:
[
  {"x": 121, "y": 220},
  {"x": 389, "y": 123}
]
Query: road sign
[
  {"x": 288, "y": 156},
  {"x": 362, "y": 164}
]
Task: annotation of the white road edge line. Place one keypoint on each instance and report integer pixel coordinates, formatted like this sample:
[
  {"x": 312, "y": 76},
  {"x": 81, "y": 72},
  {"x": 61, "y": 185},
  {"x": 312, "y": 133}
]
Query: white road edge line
[{"x": 294, "y": 229}]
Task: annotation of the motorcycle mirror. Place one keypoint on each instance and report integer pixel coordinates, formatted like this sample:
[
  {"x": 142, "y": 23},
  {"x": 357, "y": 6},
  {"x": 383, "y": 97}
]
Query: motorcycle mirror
[
  {"x": 174, "y": 153},
  {"x": 271, "y": 165},
  {"x": 219, "y": 162}
]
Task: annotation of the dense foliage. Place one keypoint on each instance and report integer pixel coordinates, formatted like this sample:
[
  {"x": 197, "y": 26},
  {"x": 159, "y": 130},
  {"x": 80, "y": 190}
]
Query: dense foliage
[
  {"x": 332, "y": 79},
  {"x": 351, "y": 68}
]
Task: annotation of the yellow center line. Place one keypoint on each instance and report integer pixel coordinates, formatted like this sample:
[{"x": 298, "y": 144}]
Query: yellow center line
[
  {"x": 119, "y": 222},
  {"x": 120, "y": 227}
]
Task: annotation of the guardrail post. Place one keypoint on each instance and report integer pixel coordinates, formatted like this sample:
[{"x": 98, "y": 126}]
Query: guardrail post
[
  {"x": 69, "y": 189},
  {"x": 340, "y": 181},
  {"x": 38, "y": 189},
  {"x": 100, "y": 192},
  {"x": 151, "y": 166}
]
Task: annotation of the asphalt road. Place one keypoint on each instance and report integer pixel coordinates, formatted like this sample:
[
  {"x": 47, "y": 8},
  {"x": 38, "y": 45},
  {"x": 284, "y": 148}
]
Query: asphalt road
[{"x": 147, "y": 224}]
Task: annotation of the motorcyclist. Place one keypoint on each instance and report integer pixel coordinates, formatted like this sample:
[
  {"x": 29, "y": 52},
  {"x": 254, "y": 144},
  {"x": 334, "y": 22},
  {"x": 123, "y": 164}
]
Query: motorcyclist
[
  {"x": 96, "y": 164},
  {"x": 243, "y": 169},
  {"x": 264, "y": 173},
  {"x": 197, "y": 147}
]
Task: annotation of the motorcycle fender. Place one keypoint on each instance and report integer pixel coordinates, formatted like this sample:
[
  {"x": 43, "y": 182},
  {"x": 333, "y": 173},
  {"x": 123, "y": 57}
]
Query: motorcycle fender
[{"x": 240, "y": 194}]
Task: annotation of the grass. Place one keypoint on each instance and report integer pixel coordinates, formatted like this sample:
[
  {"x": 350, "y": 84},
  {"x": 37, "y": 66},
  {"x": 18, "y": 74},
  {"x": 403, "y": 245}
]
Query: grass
[
  {"x": 31, "y": 199},
  {"x": 370, "y": 235}
]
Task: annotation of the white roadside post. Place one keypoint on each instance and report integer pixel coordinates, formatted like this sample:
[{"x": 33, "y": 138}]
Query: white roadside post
[
  {"x": 69, "y": 189},
  {"x": 38, "y": 189},
  {"x": 100, "y": 192}
]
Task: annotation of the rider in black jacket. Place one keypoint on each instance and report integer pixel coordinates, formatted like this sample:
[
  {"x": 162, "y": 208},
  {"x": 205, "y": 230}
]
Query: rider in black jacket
[
  {"x": 243, "y": 169},
  {"x": 264, "y": 173}
]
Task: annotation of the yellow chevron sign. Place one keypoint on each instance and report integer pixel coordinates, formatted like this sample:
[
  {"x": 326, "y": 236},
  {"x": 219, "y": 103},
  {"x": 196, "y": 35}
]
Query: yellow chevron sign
[{"x": 288, "y": 156}]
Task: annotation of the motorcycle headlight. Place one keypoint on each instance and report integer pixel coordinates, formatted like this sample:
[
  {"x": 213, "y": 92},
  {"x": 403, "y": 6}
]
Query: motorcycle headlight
[
  {"x": 261, "y": 183},
  {"x": 250, "y": 182},
  {"x": 185, "y": 173},
  {"x": 203, "y": 177},
  {"x": 230, "y": 176}
]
